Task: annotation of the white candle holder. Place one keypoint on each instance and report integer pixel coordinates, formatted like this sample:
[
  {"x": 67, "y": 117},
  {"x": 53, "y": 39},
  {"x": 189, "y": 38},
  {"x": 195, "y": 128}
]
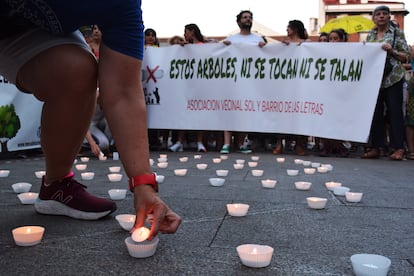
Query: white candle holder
[
  {"x": 216, "y": 160},
  {"x": 309, "y": 170},
  {"x": 331, "y": 184},
  {"x": 28, "y": 235},
  {"x": 114, "y": 169},
  {"x": 117, "y": 194},
  {"x": 237, "y": 209},
  {"x": 222, "y": 172},
  {"x": 143, "y": 249},
  {"x": 292, "y": 172},
  {"x": 370, "y": 264},
  {"x": 257, "y": 172},
  {"x": 224, "y": 157},
  {"x": 280, "y": 159},
  {"x": 151, "y": 162},
  {"x": 303, "y": 185},
  {"x": 159, "y": 178},
  {"x": 316, "y": 202},
  {"x": 163, "y": 155},
  {"x": 298, "y": 161},
  {"x": 40, "y": 174},
  {"x": 102, "y": 157},
  {"x": 114, "y": 177},
  {"x": 315, "y": 164},
  {"x": 21, "y": 187},
  {"x": 4, "y": 173},
  {"x": 197, "y": 156},
  {"x": 201, "y": 166},
  {"x": 255, "y": 158},
  {"x": 340, "y": 191},
  {"x": 162, "y": 165},
  {"x": 180, "y": 172},
  {"x": 306, "y": 163},
  {"x": 126, "y": 221},
  {"x": 87, "y": 175},
  {"x": 84, "y": 159},
  {"x": 28, "y": 198},
  {"x": 238, "y": 166},
  {"x": 353, "y": 197},
  {"x": 216, "y": 181},
  {"x": 322, "y": 169},
  {"x": 255, "y": 255},
  {"x": 240, "y": 161},
  {"x": 252, "y": 164},
  {"x": 81, "y": 167},
  {"x": 162, "y": 159},
  {"x": 328, "y": 166},
  {"x": 183, "y": 159},
  {"x": 268, "y": 183}
]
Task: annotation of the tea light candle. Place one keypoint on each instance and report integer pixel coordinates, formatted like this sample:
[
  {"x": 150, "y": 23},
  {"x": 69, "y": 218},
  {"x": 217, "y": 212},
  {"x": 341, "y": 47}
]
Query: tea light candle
[
  {"x": 114, "y": 177},
  {"x": 114, "y": 169},
  {"x": 180, "y": 172},
  {"x": 162, "y": 159},
  {"x": 353, "y": 197},
  {"x": 237, "y": 209},
  {"x": 240, "y": 161},
  {"x": 268, "y": 183},
  {"x": 40, "y": 174},
  {"x": 159, "y": 178},
  {"x": 28, "y": 198},
  {"x": 216, "y": 160},
  {"x": 255, "y": 158},
  {"x": 252, "y": 164},
  {"x": 298, "y": 161},
  {"x": 162, "y": 165},
  {"x": 280, "y": 159},
  {"x": 316, "y": 202},
  {"x": 257, "y": 172},
  {"x": 238, "y": 166},
  {"x": 322, "y": 169},
  {"x": 292, "y": 172},
  {"x": 303, "y": 185},
  {"x": 328, "y": 166},
  {"x": 151, "y": 162},
  {"x": 222, "y": 172},
  {"x": 331, "y": 184},
  {"x": 102, "y": 157},
  {"x": 81, "y": 167},
  {"x": 163, "y": 156},
  {"x": 201, "y": 166},
  {"x": 4, "y": 173},
  {"x": 309, "y": 170},
  {"x": 183, "y": 159},
  {"x": 197, "y": 156},
  {"x": 224, "y": 157},
  {"x": 117, "y": 194},
  {"x": 126, "y": 221},
  {"x": 21, "y": 187},
  {"x": 255, "y": 255},
  {"x": 142, "y": 249},
  {"x": 87, "y": 175},
  {"x": 140, "y": 234},
  {"x": 28, "y": 235},
  {"x": 84, "y": 159}
]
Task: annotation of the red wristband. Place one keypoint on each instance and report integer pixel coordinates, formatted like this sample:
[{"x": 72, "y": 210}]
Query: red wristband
[{"x": 143, "y": 179}]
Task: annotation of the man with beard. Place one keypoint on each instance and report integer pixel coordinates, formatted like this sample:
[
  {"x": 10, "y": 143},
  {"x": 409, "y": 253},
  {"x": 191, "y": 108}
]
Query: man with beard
[{"x": 245, "y": 22}]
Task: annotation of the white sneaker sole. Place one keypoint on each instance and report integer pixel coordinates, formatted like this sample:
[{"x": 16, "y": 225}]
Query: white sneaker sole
[{"x": 53, "y": 207}]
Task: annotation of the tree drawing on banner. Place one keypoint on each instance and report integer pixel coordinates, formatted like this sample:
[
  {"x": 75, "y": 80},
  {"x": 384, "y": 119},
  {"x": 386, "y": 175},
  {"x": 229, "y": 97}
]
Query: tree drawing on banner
[{"x": 9, "y": 125}]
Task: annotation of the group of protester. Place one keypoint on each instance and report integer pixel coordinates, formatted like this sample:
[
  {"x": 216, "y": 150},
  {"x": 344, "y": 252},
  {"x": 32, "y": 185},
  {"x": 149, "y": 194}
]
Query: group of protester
[{"x": 387, "y": 133}]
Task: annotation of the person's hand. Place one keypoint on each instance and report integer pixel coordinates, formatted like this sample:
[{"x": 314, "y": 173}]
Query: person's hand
[
  {"x": 387, "y": 47},
  {"x": 95, "y": 149},
  {"x": 146, "y": 202},
  {"x": 262, "y": 44},
  {"x": 227, "y": 42}
]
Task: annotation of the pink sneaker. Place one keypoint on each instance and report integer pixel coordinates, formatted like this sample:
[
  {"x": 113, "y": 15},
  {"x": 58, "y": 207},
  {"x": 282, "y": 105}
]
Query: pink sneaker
[{"x": 69, "y": 198}]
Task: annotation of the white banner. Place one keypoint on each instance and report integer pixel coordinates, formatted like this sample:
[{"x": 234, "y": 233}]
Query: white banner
[{"x": 316, "y": 89}]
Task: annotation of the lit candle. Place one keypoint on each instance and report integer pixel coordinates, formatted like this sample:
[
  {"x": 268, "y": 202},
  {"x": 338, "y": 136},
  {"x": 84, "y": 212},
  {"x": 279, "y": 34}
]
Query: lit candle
[
  {"x": 252, "y": 164},
  {"x": 80, "y": 167},
  {"x": 316, "y": 202},
  {"x": 255, "y": 158},
  {"x": 255, "y": 255},
  {"x": 298, "y": 161},
  {"x": 40, "y": 174},
  {"x": 353, "y": 197},
  {"x": 224, "y": 157},
  {"x": 240, "y": 161},
  {"x": 159, "y": 178},
  {"x": 257, "y": 172},
  {"x": 28, "y": 235},
  {"x": 84, "y": 159},
  {"x": 126, "y": 221},
  {"x": 292, "y": 172},
  {"x": 183, "y": 159},
  {"x": 4, "y": 173},
  {"x": 28, "y": 198},
  {"x": 140, "y": 234},
  {"x": 280, "y": 159},
  {"x": 309, "y": 170},
  {"x": 163, "y": 156},
  {"x": 201, "y": 166},
  {"x": 180, "y": 172},
  {"x": 114, "y": 169},
  {"x": 87, "y": 175},
  {"x": 162, "y": 165},
  {"x": 303, "y": 185},
  {"x": 268, "y": 183},
  {"x": 216, "y": 160},
  {"x": 238, "y": 166},
  {"x": 222, "y": 172},
  {"x": 237, "y": 209},
  {"x": 142, "y": 249},
  {"x": 331, "y": 184},
  {"x": 114, "y": 177},
  {"x": 117, "y": 194},
  {"x": 322, "y": 169},
  {"x": 21, "y": 187},
  {"x": 162, "y": 159},
  {"x": 197, "y": 156}
]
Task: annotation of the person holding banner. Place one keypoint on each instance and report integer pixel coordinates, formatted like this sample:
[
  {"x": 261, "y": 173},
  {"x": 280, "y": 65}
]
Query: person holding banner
[
  {"x": 390, "y": 94},
  {"x": 42, "y": 52},
  {"x": 245, "y": 22}
]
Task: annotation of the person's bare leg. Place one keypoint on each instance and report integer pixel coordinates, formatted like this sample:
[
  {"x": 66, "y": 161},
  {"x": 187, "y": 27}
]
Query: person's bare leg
[
  {"x": 124, "y": 106},
  {"x": 64, "y": 77},
  {"x": 227, "y": 137},
  {"x": 410, "y": 138}
]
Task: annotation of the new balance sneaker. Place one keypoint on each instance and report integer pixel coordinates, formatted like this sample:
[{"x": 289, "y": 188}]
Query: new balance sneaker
[
  {"x": 225, "y": 149},
  {"x": 244, "y": 150},
  {"x": 69, "y": 198},
  {"x": 176, "y": 147},
  {"x": 201, "y": 147}
]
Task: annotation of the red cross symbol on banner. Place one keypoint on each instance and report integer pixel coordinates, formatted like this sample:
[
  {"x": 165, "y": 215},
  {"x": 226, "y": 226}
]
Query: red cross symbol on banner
[{"x": 151, "y": 73}]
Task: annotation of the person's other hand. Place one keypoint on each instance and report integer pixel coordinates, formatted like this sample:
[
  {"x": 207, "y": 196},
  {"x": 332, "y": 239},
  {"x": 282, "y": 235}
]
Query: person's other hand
[
  {"x": 95, "y": 149},
  {"x": 262, "y": 44},
  {"x": 146, "y": 202},
  {"x": 227, "y": 42}
]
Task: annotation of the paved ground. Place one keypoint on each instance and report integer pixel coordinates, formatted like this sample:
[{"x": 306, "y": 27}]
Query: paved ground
[{"x": 305, "y": 241}]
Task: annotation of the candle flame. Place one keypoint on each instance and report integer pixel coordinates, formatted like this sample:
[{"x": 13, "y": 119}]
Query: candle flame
[
  {"x": 254, "y": 251},
  {"x": 28, "y": 230}
]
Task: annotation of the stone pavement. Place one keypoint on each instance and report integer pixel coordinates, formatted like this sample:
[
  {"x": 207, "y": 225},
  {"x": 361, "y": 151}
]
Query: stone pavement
[{"x": 305, "y": 241}]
